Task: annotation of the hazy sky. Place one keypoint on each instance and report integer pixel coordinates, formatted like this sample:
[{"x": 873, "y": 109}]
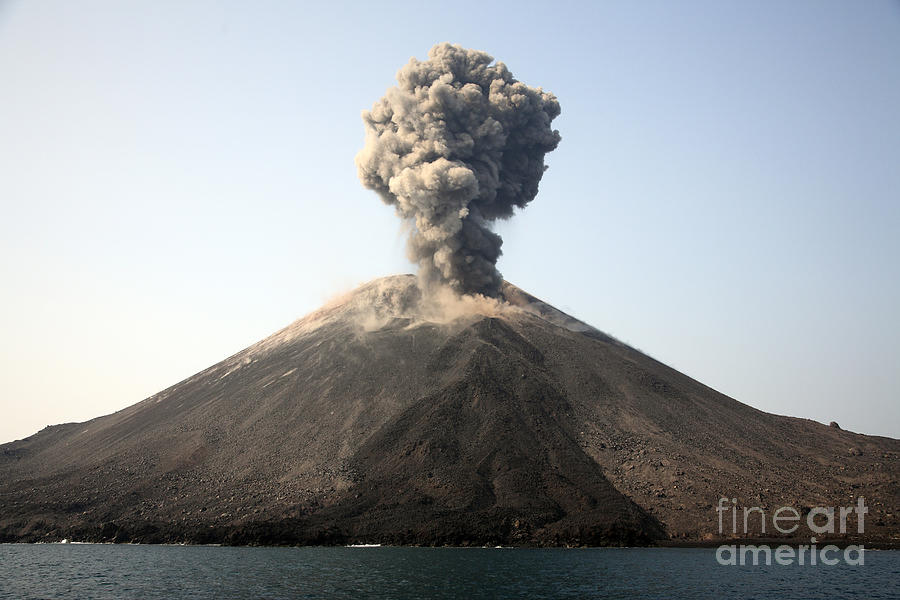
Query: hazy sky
[{"x": 177, "y": 182}]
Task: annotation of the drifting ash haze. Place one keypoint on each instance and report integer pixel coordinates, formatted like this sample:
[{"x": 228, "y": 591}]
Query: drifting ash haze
[
  {"x": 456, "y": 145},
  {"x": 382, "y": 303}
]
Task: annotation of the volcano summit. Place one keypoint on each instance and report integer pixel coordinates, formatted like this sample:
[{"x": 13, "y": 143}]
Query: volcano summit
[{"x": 392, "y": 417}]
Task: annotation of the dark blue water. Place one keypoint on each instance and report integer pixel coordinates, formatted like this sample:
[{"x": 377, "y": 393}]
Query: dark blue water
[{"x": 106, "y": 571}]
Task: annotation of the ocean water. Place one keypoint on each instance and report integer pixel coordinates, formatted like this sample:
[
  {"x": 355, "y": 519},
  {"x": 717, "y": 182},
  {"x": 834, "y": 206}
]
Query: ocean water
[{"x": 121, "y": 571}]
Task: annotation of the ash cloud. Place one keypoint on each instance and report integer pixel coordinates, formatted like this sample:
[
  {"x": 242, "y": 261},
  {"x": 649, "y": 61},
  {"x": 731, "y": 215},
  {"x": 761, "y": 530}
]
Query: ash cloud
[{"x": 457, "y": 144}]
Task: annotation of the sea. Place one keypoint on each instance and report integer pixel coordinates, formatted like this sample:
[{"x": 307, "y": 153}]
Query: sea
[{"x": 98, "y": 571}]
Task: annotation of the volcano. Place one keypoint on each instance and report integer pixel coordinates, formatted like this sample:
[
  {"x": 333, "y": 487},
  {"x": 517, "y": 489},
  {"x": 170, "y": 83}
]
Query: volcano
[{"x": 396, "y": 418}]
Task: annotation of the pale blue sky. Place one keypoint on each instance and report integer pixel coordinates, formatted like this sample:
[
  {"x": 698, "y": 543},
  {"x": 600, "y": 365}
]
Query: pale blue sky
[{"x": 177, "y": 182}]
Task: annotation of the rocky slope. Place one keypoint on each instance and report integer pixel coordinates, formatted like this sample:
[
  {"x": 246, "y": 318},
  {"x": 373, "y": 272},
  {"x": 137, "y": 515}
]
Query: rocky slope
[{"x": 386, "y": 417}]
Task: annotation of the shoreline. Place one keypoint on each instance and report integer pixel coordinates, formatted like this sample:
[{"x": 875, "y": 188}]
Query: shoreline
[{"x": 868, "y": 545}]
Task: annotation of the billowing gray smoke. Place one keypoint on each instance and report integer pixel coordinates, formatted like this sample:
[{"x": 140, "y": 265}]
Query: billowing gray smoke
[{"x": 457, "y": 144}]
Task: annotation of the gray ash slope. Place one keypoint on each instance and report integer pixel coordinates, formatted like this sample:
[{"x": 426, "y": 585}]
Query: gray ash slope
[{"x": 385, "y": 418}]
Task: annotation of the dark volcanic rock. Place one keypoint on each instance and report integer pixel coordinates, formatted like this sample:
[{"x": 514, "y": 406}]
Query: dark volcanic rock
[{"x": 386, "y": 418}]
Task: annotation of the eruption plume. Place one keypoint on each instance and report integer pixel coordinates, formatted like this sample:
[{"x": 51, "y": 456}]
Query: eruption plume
[{"x": 456, "y": 145}]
